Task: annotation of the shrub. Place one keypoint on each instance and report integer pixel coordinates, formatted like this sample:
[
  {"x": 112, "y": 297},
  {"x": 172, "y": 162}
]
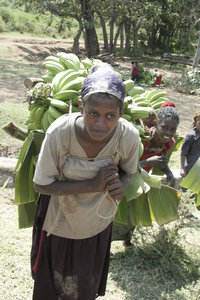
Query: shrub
[{"x": 2, "y": 25}]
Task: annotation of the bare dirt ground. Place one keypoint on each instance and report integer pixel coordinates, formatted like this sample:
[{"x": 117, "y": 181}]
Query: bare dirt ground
[{"x": 30, "y": 52}]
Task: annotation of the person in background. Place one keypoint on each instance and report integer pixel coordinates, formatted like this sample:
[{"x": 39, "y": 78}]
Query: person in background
[
  {"x": 158, "y": 78},
  {"x": 135, "y": 71},
  {"x": 154, "y": 155},
  {"x": 190, "y": 150},
  {"x": 85, "y": 161}
]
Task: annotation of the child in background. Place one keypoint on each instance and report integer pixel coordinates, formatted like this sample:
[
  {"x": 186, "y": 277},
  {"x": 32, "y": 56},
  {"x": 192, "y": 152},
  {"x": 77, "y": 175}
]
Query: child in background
[
  {"x": 190, "y": 150},
  {"x": 135, "y": 71},
  {"x": 158, "y": 78},
  {"x": 155, "y": 155}
]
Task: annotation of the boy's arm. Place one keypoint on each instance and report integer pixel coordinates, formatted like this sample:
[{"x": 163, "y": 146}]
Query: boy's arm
[
  {"x": 170, "y": 177},
  {"x": 182, "y": 170}
]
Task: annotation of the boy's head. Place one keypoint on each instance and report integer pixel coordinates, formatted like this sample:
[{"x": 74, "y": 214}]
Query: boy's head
[
  {"x": 196, "y": 120},
  {"x": 103, "y": 79},
  {"x": 168, "y": 120}
]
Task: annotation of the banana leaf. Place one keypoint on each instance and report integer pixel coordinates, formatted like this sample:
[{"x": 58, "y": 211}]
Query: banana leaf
[
  {"x": 26, "y": 214},
  {"x": 135, "y": 186},
  {"x": 192, "y": 179},
  {"x": 122, "y": 212},
  {"x": 160, "y": 205},
  {"x": 197, "y": 201},
  {"x": 140, "y": 211},
  {"x": 164, "y": 204},
  {"x": 25, "y": 195}
]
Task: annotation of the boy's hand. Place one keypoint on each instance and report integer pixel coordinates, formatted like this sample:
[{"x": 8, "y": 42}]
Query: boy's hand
[
  {"x": 115, "y": 189},
  {"x": 104, "y": 176},
  {"x": 170, "y": 179},
  {"x": 182, "y": 172},
  {"x": 157, "y": 161}
]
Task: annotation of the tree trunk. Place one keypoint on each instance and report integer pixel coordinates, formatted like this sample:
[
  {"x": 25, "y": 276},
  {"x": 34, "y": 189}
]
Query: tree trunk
[
  {"x": 60, "y": 27},
  {"x": 103, "y": 25},
  {"x": 136, "y": 26},
  {"x": 117, "y": 35},
  {"x": 127, "y": 34},
  {"x": 75, "y": 47},
  {"x": 122, "y": 41},
  {"x": 197, "y": 54},
  {"x": 112, "y": 23},
  {"x": 91, "y": 40}
]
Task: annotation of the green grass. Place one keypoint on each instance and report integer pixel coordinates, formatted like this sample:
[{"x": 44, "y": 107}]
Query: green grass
[{"x": 17, "y": 113}]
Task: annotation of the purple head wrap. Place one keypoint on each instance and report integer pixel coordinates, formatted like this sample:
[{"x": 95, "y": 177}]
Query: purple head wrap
[{"x": 103, "y": 79}]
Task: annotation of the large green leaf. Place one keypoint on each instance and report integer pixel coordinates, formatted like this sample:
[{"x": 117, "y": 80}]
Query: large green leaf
[
  {"x": 140, "y": 211},
  {"x": 26, "y": 214},
  {"x": 24, "y": 191},
  {"x": 192, "y": 179},
  {"x": 24, "y": 150},
  {"x": 164, "y": 204},
  {"x": 135, "y": 186},
  {"x": 122, "y": 212}
]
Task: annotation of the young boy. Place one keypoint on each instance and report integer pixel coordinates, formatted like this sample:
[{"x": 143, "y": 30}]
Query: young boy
[{"x": 190, "y": 150}]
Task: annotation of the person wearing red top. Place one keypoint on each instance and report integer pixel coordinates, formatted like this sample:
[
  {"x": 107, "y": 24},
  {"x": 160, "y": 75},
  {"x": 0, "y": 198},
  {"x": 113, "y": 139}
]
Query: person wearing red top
[
  {"x": 154, "y": 155},
  {"x": 158, "y": 78},
  {"x": 135, "y": 71}
]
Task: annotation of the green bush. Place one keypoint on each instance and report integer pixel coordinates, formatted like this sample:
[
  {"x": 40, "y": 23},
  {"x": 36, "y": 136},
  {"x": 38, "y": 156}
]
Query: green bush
[
  {"x": 2, "y": 25},
  {"x": 6, "y": 14}
]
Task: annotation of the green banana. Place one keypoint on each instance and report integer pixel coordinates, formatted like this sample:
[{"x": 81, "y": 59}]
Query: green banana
[
  {"x": 33, "y": 111},
  {"x": 51, "y": 58},
  {"x": 50, "y": 118},
  {"x": 139, "y": 99},
  {"x": 54, "y": 67},
  {"x": 157, "y": 105},
  {"x": 45, "y": 122},
  {"x": 75, "y": 84},
  {"x": 67, "y": 79},
  {"x": 127, "y": 117},
  {"x": 70, "y": 60},
  {"x": 138, "y": 112},
  {"x": 58, "y": 78},
  {"x": 54, "y": 112},
  {"x": 136, "y": 90},
  {"x": 64, "y": 107},
  {"x": 38, "y": 116},
  {"x": 151, "y": 93},
  {"x": 157, "y": 95},
  {"x": 48, "y": 76},
  {"x": 142, "y": 104},
  {"x": 66, "y": 95},
  {"x": 87, "y": 63},
  {"x": 129, "y": 83}
]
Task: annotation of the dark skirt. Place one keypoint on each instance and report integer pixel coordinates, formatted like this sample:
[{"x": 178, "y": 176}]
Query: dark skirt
[{"x": 67, "y": 269}]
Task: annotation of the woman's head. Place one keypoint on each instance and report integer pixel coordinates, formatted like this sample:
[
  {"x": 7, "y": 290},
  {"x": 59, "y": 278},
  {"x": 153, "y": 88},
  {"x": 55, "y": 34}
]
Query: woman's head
[
  {"x": 168, "y": 120},
  {"x": 102, "y": 102},
  {"x": 196, "y": 120}
]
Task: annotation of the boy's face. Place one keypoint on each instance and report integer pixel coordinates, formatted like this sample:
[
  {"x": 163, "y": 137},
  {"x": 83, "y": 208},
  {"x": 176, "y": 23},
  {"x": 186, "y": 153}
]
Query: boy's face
[
  {"x": 166, "y": 129},
  {"x": 100, "y": 117}
]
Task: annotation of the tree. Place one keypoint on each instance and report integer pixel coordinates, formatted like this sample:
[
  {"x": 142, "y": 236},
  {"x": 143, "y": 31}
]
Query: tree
[{"x": 91, "y": 40}]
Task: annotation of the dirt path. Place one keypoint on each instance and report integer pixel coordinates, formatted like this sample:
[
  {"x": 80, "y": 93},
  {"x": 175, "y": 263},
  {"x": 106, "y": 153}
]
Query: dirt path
[{"x": 28, "y": 53}]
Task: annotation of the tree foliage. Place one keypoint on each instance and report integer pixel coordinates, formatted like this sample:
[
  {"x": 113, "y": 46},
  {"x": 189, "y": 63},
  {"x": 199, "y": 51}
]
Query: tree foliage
[{"x": 136, "y": 26}]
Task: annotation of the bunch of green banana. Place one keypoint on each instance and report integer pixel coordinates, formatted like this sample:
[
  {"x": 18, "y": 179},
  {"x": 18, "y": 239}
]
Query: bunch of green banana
[
  {"x": 65, "y": 61},
  {"x": 156, "y": 99},
  {"x": 41, "y": 116}
]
